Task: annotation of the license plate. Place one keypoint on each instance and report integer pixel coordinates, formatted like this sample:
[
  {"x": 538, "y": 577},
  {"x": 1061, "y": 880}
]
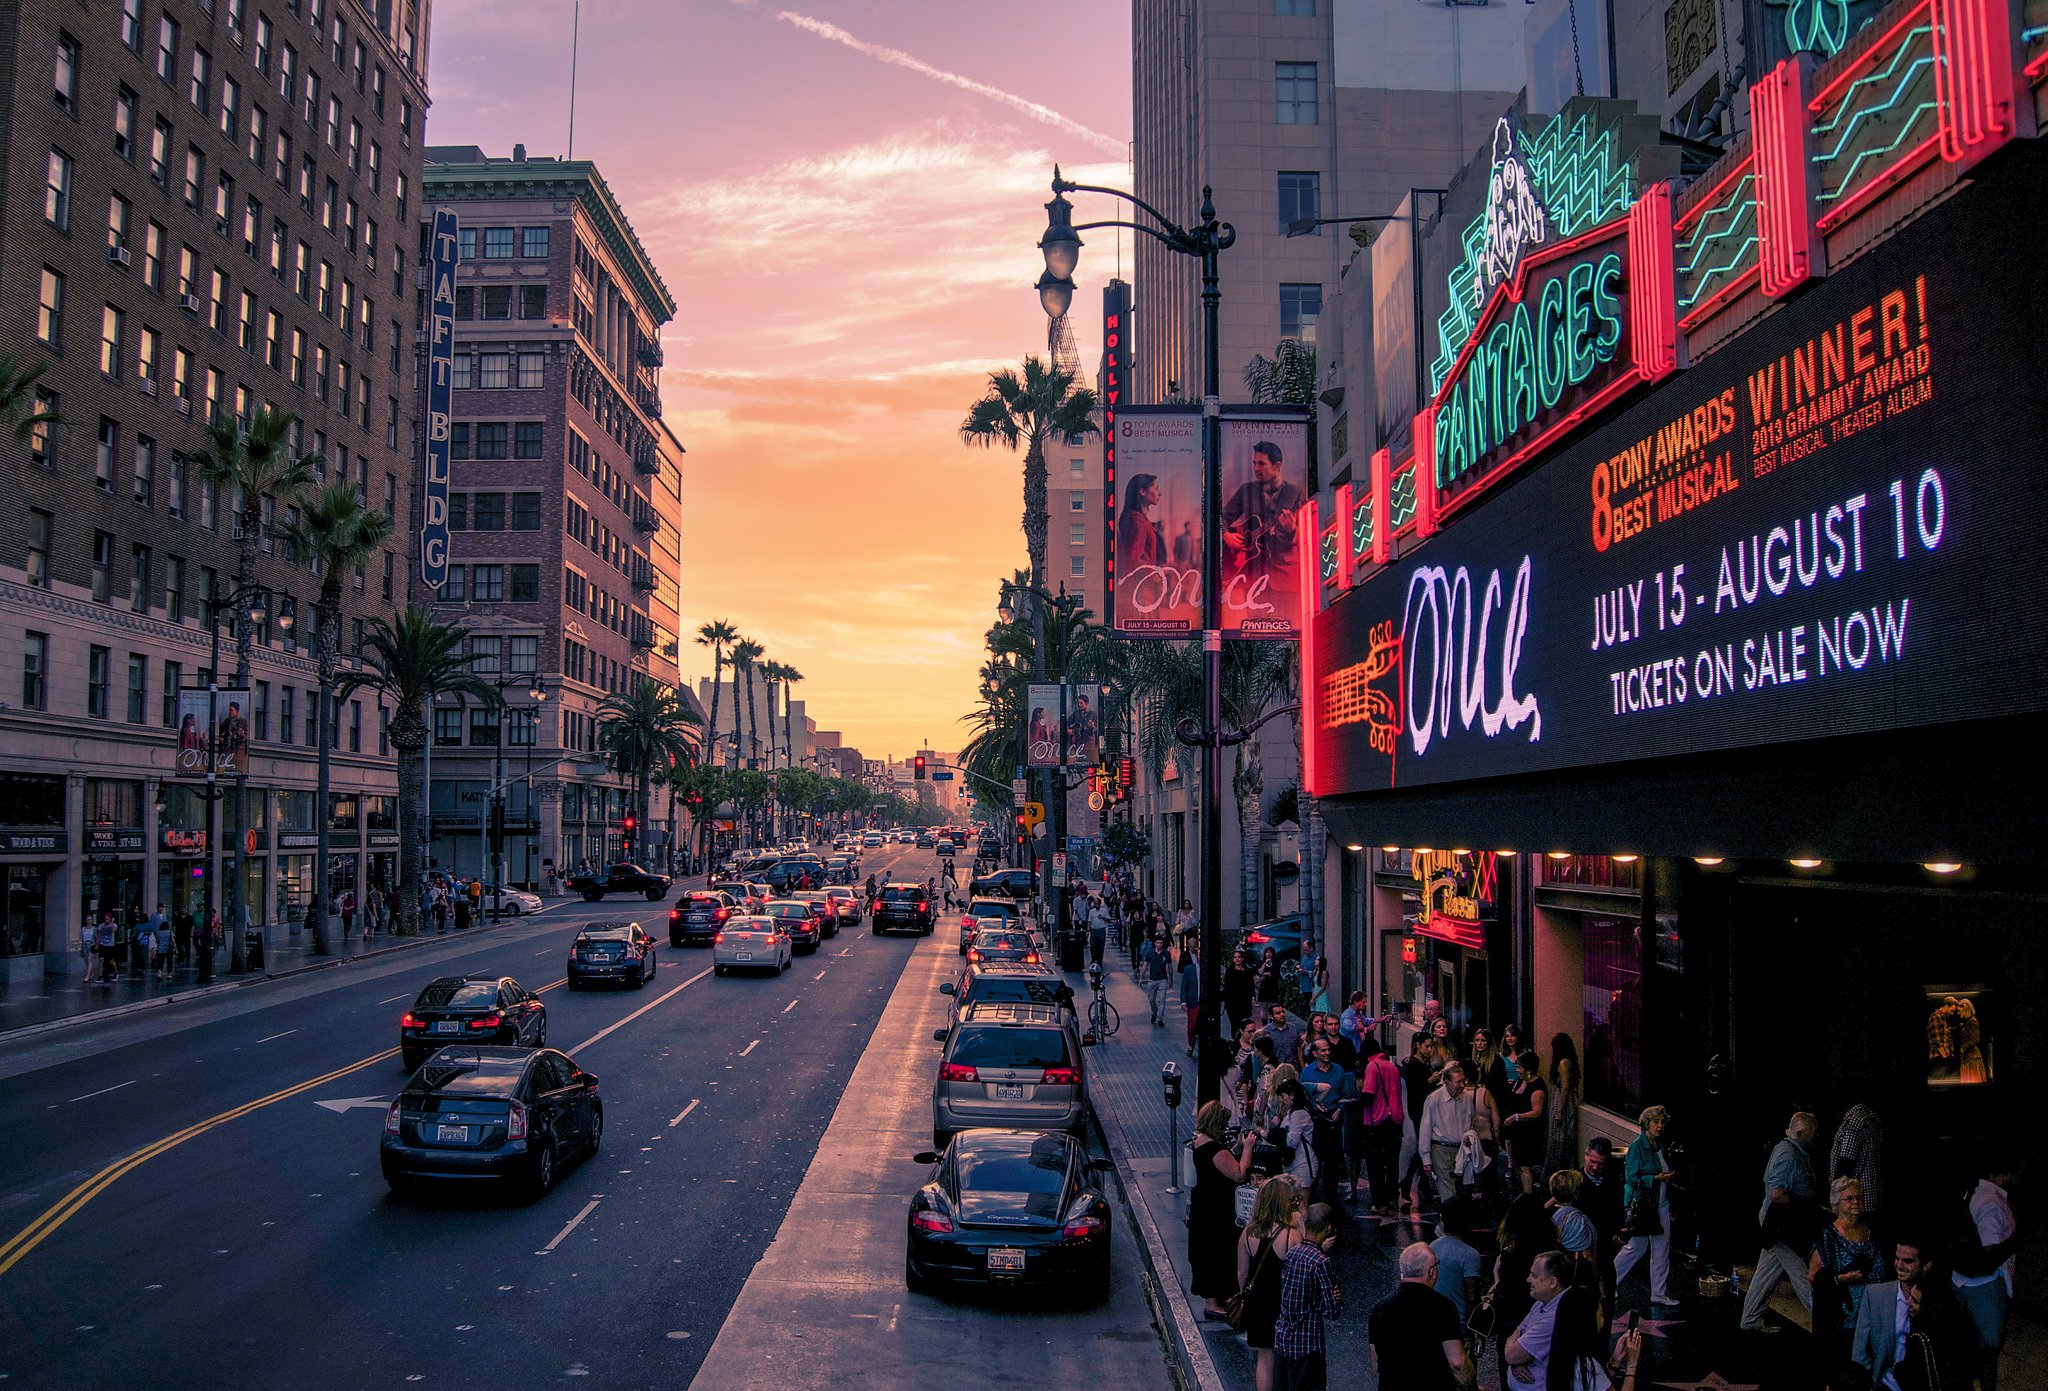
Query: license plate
[
  {"x": 448, "y": 1026},
  {"x": 1008, "y": 1258},
  {"x": 1009, "y": 1093},
  {"x": 743, "y": 956},
  {"x": 452, "y": 1134}
]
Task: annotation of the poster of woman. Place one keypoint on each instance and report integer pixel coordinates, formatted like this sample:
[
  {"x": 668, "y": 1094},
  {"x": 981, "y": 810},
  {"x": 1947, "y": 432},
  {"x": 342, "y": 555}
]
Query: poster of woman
[
  {"x": 1042, "y": 735},
  {"x": 1153, "y": 559}
]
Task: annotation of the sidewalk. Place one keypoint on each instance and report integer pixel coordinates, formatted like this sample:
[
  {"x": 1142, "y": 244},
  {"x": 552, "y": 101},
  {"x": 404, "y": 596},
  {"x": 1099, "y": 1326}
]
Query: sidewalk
[{"x": 1695, "y": 1345}]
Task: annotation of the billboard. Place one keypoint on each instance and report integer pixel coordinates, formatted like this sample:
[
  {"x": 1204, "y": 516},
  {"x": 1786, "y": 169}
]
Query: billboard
[
  {"x": 213, "y": 726},
  {"x": 1046, "y": 715},
  {"x": 1084, "y": 725},
  {"x": 1829, "y": 527},
  {"x": 1153, "y": 478},
  {"x": 440, "y": 393},
  {"x": 1265, "y": 470}
]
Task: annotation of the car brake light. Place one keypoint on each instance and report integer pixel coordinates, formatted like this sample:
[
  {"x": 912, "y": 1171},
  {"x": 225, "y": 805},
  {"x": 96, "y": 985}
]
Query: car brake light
[
  {"x": 974, "y": 953},
  {"x": 391, "y": 1119},
  {"x": 1031, "y": 958},
  {"x": 1257, "y": 937},
  {"x": 1061, "y": 1077},
  {"x": 1083, "y": 1226},
  {"x": 409, "y": 1022},
  {"x": 922, "y": 905},
  {"x": 489, "y": 1021},
  {"x": 925, "y": 1220},
  {"x": 716, "y": 938},
  {"x": 515, "y": 1125},
  {"x": 958, "y": 1072},
  {"x": 723, "y": 914}
]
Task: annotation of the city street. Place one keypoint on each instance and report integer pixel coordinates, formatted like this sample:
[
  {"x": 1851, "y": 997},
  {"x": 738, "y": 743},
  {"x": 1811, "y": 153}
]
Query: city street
[{"x": 203, "y": 1195}]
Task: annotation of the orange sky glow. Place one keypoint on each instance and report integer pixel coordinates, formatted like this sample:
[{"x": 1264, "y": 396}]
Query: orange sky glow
[{"x": 844, "y": 199}]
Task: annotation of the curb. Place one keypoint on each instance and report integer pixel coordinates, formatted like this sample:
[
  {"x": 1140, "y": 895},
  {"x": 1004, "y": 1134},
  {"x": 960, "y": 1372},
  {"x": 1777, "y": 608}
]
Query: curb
[{"x": 1189, "y": 1360}]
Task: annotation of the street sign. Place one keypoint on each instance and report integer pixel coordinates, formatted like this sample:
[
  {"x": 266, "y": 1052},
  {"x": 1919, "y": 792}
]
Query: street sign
[
  {"x": 941, "y": 775},
  {"x": 1018, "y": 792},
  {"x": 1034, "y": 814},
  {"x": 1059, "y": 862}
]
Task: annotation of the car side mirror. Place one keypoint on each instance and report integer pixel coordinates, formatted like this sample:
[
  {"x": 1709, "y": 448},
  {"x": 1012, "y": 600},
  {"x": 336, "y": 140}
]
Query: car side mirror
[
  {"x": 946, "y": 988},
  {"x": 924, "y": 1157},
  {"x": 938, "y": 1035}
]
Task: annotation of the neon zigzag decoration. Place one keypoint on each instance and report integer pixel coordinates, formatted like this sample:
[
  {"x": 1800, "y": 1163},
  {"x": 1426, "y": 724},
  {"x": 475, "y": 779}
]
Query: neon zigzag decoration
[
  {"x": 1844, "y": 108},
  {"x": 1849, "y": 179},
  {"x": 1583, "y": 182},
  {"x": 1708, "y": 276}
]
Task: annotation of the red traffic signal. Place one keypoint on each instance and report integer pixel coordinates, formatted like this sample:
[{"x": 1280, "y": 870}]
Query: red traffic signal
[
  {"x": 629, "y": 825},
  {"x": 918, "y": 766}
]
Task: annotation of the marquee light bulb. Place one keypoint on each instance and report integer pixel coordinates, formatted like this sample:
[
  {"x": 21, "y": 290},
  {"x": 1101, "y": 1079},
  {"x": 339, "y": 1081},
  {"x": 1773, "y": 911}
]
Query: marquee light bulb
[
  {"x": 1391, "y": 849},
  {"x": 1354, "y": 848},
  {"x": 1559, "y": 854},
  {"x": 1424, "y": 850}
]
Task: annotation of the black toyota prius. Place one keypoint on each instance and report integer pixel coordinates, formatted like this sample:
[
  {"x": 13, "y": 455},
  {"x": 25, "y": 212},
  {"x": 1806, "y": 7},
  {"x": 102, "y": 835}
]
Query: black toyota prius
[
  {"x": 1010, "y": 1207},
  {"x": 483, "y": 1112}
]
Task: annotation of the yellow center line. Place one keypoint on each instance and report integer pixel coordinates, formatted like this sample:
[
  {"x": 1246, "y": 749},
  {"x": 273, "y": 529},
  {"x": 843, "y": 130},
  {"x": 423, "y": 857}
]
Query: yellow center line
[{"x": 67, "y": 1207}]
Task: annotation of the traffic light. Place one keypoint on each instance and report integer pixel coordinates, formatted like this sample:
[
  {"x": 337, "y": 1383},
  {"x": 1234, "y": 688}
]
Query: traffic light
[
  {"x": 918, "y": 767},
  {"x": 626, "y": 843},
  {"x": 1023, "y": 827}
]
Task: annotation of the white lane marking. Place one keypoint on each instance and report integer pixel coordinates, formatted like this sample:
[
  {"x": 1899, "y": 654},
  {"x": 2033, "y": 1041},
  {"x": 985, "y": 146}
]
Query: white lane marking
[
  {"x": 819, "y": 976},
  {"x": 276, "y": 1036},
  {"x": 588, "y": 1208},
  {"x": 399, "y": 996},
  {"x": 545, "y": 951},
  {"x": 894, "y": 1310},
  {"x": 750, "y": 1048},
  {"x": 101, "y": 1092},
  {"x": 684, "y": 1112},
  {"x": 657, "y": 1000},
  {"x": 788, "y": 1007}
]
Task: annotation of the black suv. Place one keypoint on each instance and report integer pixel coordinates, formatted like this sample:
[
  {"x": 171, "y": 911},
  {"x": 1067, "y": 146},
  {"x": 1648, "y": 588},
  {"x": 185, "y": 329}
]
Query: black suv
[
  {"x": 898, "y": 906},
  {"x": 698, "y": 917},
  {"x": 1005, "y": 883}
]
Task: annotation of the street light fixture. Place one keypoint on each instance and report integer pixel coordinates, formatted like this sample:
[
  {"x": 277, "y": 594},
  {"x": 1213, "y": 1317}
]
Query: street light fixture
[
  {"x": 495, "y": 805},
  {"x": 1205, "y": 241}
]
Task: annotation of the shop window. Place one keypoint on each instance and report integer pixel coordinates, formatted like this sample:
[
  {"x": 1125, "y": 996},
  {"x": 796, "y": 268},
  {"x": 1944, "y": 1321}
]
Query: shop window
[
  {"x": 380, "y": 813},
  {"x": 113, "y": 802},
  {"x": 448, "y": 728},
  {"x": 295, "y": 811},
  {"x": 344, "y": 809},
  {"x": 32, "y": 800},
  {"x": 1613, "y": 996},
  {"x": 1592, "y": 872}
]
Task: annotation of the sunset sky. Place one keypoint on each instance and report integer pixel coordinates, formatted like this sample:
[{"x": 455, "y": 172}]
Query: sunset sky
[{"x": 845, "y": 199}]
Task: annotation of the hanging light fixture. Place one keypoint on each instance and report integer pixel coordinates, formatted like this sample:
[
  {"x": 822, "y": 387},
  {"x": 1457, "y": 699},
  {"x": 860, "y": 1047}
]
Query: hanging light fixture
[
  {"x": 1806, "y": 862},
  {"x": 1709, "y": 861}
]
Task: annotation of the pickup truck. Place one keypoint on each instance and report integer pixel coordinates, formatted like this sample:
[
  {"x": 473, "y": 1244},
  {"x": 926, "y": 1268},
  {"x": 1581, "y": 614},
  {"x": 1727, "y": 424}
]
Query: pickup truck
[{"x": 621, "y": 879}]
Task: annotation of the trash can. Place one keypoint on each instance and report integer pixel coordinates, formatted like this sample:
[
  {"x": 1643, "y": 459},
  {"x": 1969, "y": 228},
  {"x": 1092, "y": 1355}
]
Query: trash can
[
  {"x": 252, "y": 940},
  {"x": 1073, "y": 950}
]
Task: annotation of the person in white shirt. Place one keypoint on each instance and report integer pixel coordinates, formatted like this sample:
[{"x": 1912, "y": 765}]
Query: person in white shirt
[
  {"x": 1985, "y": 1292},
  {"x": 1446, "y": 1116}
]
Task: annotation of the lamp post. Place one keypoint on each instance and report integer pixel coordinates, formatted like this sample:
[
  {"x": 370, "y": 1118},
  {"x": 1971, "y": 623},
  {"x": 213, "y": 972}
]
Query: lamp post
[
  {"x": 495, "y": 803},
  {"x": 250, "y": 603},
  {"x": 1206, "y": 240}
]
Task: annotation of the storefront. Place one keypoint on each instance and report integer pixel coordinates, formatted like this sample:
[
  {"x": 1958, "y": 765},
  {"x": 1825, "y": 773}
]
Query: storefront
[
  {"x": 1733, "y": 662},
  {"x": 32, "y": 856},
  {"x": 113, "y": 873}
]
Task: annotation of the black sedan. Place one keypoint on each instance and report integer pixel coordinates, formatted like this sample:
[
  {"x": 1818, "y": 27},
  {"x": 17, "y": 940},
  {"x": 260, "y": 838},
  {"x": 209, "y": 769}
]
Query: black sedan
[
  {"x": 611, "y": 951},
  {"x": 491, "y": 1113},
  {"x": 1010, "y": 1207},
  {"x": 471, "y": 1009},
  {"x": 804, "y": 926},
  {"x": 698, "y": 917}
]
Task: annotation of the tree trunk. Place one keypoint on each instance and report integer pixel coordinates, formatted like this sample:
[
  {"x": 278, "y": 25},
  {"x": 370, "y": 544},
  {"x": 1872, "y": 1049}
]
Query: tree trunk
[
  {"x": 1249, "y": 784},
  {"x": 1034, "y": 508},
  {"x": 409, "y": 741},
  {"x": 329, "y": 658},
  {"x": 717, "y": 678},
  {"x": 245, "y": 641}
]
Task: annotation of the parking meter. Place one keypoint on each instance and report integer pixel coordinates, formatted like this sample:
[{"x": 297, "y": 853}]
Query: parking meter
[{"x": 1169, "y": 1077}]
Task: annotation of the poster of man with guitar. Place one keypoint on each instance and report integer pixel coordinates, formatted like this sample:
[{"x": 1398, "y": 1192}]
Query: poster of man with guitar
[{"x": 1264, "y": 462}]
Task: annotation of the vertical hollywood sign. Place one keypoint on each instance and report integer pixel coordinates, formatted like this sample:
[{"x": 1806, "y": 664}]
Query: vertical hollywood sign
[
  {"x": 440, "y": 381},
  {"x": 1115, "y": 302}
]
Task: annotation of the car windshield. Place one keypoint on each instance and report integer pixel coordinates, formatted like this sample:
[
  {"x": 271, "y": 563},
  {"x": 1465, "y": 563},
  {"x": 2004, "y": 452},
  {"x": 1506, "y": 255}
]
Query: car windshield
[
  {"x": 1042, "y": 1169},
  {"x": 1006, "y": 1047},
  {"x": 702, "y": 901},
  {"x": 458, "y": 994},
  {"x": 1002, "y": 941},
  {"x": 788, "y": 910},
  {"x": 985, "y": 909}
]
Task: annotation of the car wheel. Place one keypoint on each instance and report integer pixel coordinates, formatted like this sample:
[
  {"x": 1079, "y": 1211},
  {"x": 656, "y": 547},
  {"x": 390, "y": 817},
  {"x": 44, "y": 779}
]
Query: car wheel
[
  {"x": 575, "y": 984},
  {"x": 640, "y": 979},
  {"x": 513, "y": 910},
  {"x": 1095, "y": 1289},
  {"x": 597, "y": 1130},
  {"x": 718, "y": 970},
  {"x": 913, "y": 1281},
  {"x": 589, "y": 897},
  {"x": 401, "y": 1185},
  {"x": 674, "y": 940},
  {"x": 407, "y": 1059},
  {"x": 654, "y": 895},
  {"x": 540, "y": 1035},
  {"x": 543, "y": 1172}
]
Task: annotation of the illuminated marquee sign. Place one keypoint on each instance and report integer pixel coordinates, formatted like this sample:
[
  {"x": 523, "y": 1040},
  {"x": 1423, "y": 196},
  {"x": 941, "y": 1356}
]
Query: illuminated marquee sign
[
  {"x": 1829, "y": 527},
  {"x": 440, "y": 392}
]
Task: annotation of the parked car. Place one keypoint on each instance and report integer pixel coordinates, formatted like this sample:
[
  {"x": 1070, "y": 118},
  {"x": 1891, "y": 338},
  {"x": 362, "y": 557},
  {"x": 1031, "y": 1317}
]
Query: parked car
[
  {"x": 513, "y": 902},
  {"x": 1011, "y": 982},
  {"x": 797, "y": 919},
  {"x": 982, "y": 912},
  {"x": 698, "y": 916},
  {"x": 1009, "y": 1065},
  {"x": 996, "y": 944},
  {"x": 622, "y": 878},
  {"x": 491, "y": 1113},
  {"x": 828, "y": 921},
  {"x": 471, "y": 1009},
  {"x": 899, "y": 906},
  {"x": 620, "y": 951},
  {"x": 844, "y": 901},
  {"x": 752, "y": 943},
  {"x": 1282, "y": 934},
  {"x": 1011, "y": 1207},
  {"x": 1005, "y": 883}
]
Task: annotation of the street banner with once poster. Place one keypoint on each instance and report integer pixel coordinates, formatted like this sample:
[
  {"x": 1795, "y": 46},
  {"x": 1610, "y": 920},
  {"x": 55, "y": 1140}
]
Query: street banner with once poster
[
  {"x": 218, "y": 720},
  {"x": 1084, "y": 725},
  {"x": 1153, "y": 474},
  {"x": 1046, "y": 713},
  {"x": 1265, "y": 470}
]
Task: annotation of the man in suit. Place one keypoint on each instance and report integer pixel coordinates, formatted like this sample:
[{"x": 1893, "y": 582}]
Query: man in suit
[{"x": 1915, "y": 1303}]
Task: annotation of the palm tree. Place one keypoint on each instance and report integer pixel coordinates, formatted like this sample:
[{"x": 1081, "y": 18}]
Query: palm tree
[
  {"x": 252, "y": 464},
  {"x": 1027, "y": 409},
  {"x": 746, "y": 655},
  {"x": 641, "y": 731},
  {"x": 18, "y": 399},
  {"x": 335, "y": 533},
  {"x": 771, "y": 683},
  {"x": 717, "y": 635},
  {"x": 414, "y": 662},
  {"x": 789, "y": 676}
]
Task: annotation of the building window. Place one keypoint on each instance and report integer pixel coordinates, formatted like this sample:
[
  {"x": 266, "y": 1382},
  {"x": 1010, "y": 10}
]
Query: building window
[
  {"x": 1077, "y": 502},
  {"x": 138, "y": 688},
  {"x": 102, "y": 566},
  {"x": 148, "y": 346},
  {"x": 355, "y": 726},
  {"x": 1294, "y": 7},
  {"x": 491, "y": 440},
  {"x": 57, "y": 192},
  {"x": 493, "y": 371},
  {"x": 497, "y": 301},
  {"x": 1295, "y": 93},
  {"x": 67, "y": 73},
  {"x": 111, "y": 321},
  {"x": 526, "y": 511},
  {"x": 35, "y": 672},
  {"x": 1300, "y": 305},
  {"x": 532, "y": 371},
  {"x": 42, "y": 427},
  {"x": 455, "y": 588},
  {"x": 483, "y": 726},
  {"x": 527, "y": 440},
  {"x": 96, "y": 678},
  {"x": 167, "y": 49},
  {"x": 287, "y": 713},
  {"x": 153, "y": 256},
  {"x": 174, "y": 681},
  {"x": 1078, "y": 565},
  {"x": 1613, "y": 1020},
  {"x": 41, "y": 525},
  {"x": 124, "y": 124},
  {"x": 497, "y": 242},
  {"x": 50, "y": 310},
  {"x": 104, "y": 446},
  {"x": 484, "y": 654},
  {"x": 195, "y": 176},
  {"x": 447, "y": 728},
  {"x": 1077, "y": 534},
  {"x": 487, "y": 584},
  {"x": 131, "y": 24},
  {"x": 259, "y": 718},
  {"x": 1301, "y": 200},
  {"x": 533, "y": 301},
  {"x": 487, "y": 511},
  {"x": 202, "y": 78},
  {"x": 533, "y": 242},
  {"x": 138, "y": 579},
  {"x": 174, "y": 588},
  {"x": 145, "y": 471},
  {"x": 525, "y": 586}
]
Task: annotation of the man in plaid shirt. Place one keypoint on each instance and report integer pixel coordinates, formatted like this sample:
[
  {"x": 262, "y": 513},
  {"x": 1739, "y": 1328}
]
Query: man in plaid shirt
[{"x": 1308, "y": 1295}]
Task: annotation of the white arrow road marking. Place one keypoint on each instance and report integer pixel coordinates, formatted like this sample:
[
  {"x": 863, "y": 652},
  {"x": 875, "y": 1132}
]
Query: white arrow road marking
[
  {"x": 341, "y": 1105},
  {"x": 588, "y": 1208},
  {"x": 750, "y": 1048},
  {"x": 658, "y": 1000},
  {"x": 684, "y": 1112}
]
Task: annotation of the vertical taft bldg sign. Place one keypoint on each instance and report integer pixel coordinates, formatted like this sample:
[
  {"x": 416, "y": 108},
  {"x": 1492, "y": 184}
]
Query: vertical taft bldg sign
[{"x": 440, "y": 382}]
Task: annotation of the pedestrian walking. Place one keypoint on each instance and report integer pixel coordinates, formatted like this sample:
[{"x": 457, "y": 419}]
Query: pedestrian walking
[
  {"x": 1418, "y": 1341},
  {"x": 1212, "y": 1207},
  {"x": 1184, "y": 920},
  {"x": 133, "y": 933},
  {"x": 1155, "y": 970},
  {"x": 106, "y": 939},
  {"x": 1447, "y": 1120},
  {"x": 88, "y": 948},
  {"x": 1600, "y": 1198},
  {"x": 1380, "y": 1114},
  {"x": 1266, "y": 979},
  {"x": 1191, "y": 990},
  {"x": 1330, "y": 1089},
  {"x": 166, "y": 945},
  {"x": 1459, "y": 1266},
  {"x": 1308, "y": 1296},
  {"x": 1261, "y": 1250},
  {"x": 1646, "y": 1206},
  {"x": 1526, "y": 1122},
  {"x": 182, "y": 929},
  {"x": 1788, "y": 1219},
  {"x": 1237, "y": 991},
  {"x": 348, "y": 915}
]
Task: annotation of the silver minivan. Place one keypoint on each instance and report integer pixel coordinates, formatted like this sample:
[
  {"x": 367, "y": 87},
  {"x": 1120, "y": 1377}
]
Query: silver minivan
[{"x": 1013, "y": 1065}]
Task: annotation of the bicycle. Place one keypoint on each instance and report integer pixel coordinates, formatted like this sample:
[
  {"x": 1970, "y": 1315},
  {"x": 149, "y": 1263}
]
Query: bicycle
[{"x": 1103, "y": 1019}]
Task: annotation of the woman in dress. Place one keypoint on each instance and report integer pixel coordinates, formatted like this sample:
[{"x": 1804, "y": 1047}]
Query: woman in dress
[
  {"x": 1319, "y": 997},
  {"x": 1845, "y": 1262},
  {"x": 1268, "y": 1237},
  {"x": 1266, "y": 984},
  {"x": 1212, "y": 1208},
  {"x": 1527, "y": 1122},
  {"x": 1561, "y": 1141}
]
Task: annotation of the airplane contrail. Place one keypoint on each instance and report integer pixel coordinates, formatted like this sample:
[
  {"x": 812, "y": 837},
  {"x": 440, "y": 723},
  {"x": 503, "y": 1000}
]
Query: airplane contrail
[{"x": 897, "y": 57}]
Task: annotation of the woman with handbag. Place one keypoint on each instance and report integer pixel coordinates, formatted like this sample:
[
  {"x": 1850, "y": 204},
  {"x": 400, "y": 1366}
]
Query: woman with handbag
[
  {"x": 1646, "y": 1200},
  {"x": 1212, "y": 1208},
  {"x": 1268, "y": 1237},
  {"x": 1846, "y": 1260}
]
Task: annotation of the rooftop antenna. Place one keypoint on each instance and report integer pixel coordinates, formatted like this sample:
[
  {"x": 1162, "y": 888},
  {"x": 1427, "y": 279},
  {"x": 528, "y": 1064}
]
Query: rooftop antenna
[{"x": 575, "y": 37}]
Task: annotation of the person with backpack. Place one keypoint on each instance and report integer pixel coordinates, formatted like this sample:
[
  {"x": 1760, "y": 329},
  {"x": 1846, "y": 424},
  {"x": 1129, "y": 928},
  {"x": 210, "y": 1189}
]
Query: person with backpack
[{"x": 1983, "y": 1236}]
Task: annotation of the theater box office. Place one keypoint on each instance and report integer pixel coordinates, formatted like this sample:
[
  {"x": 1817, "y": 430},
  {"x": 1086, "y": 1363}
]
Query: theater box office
[{"x": 1744, "y": 672}]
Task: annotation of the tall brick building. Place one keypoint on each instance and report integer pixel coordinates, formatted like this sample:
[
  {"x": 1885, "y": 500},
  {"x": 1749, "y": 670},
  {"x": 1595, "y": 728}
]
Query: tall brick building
[
  {"x": 205, "y": 210},
  {"x": 565, "y": 505}
]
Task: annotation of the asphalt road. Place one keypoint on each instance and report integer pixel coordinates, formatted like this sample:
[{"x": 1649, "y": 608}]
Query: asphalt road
[{"x": 179, "y": 1207}]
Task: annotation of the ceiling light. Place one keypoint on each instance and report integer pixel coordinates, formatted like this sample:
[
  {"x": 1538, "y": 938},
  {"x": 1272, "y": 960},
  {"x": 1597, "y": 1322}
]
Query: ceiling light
[
  {"x": 1354, "y": 847},
  {"x": 1424, "y": 850},
  {"x": 1560, "y": 854},
  {"x": 1461, "y": 852},
  {"x": 1708, "y": 860},
  {"x": 1391, "y": 849},
  {"x": 1941, "y": 866},
  {"x": 1505, "y": 854},
  {"x": 1626, "y": 859},
  {"x": 1806, "y": 864}
]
